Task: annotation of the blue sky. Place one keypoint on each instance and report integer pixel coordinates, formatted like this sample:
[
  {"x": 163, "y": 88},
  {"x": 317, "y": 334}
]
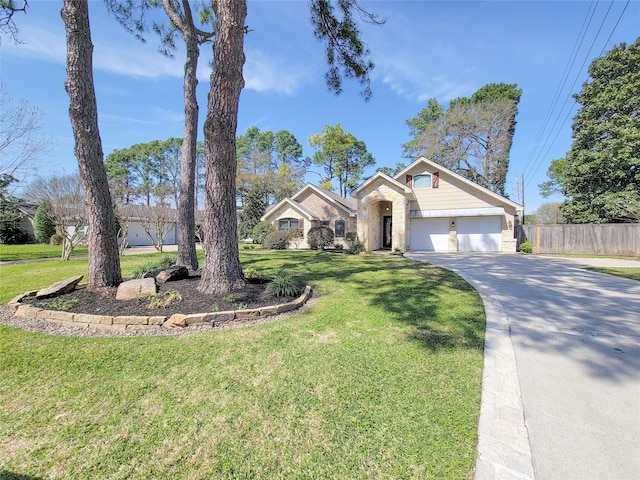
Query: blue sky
[{"x": 426, "y": 49}]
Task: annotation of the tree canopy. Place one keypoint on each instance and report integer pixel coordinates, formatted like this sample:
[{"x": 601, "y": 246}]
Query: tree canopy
[
  {"x": 473, "y": 137},
  {"x": 600, "y": 176},
  {"x": 268, "y": 163},
  {"x": 342, "y": 156}
]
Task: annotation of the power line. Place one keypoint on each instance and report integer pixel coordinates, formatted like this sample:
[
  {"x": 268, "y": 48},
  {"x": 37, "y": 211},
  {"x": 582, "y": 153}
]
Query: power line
[
  {"x": 539, "y": 159},
  {"x": 556, "y": 97}
]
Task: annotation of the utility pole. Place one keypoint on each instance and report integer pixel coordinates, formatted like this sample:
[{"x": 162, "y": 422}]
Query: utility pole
[
  {"x": 522, "y": 183},
  {"x": 520, "y": 192}
]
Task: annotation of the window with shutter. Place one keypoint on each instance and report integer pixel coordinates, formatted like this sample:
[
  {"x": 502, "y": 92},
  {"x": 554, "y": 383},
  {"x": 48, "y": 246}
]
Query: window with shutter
[
  {"x": 422, "y": 181},
  {"x": 287, "y": 224}
]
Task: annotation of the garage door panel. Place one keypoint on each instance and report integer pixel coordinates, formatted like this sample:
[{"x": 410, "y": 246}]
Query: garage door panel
[
  {"x": 429, "y": 234},
  {"x": 479, "y": 234}
]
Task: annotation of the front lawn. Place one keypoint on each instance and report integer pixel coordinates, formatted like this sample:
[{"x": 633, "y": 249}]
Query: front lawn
[
  {"x": 19, "y": 278},
  {"x": 31, "y": 251},
  {"x": 379, "y": 379}
]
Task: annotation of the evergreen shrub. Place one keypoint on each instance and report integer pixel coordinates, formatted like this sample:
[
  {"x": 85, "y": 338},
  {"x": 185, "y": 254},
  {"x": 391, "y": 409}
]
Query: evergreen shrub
[
  {"x": 320, "y": 238},
  {"x": 277, "y": 240}
]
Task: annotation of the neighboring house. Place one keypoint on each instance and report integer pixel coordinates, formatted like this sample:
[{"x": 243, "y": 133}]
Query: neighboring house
[
  {"x": 424, "y": 207},
  {"x": 136, "y": 219},
  {"x": 27, "y": 214},
  {"x": 312, "y": 207}
]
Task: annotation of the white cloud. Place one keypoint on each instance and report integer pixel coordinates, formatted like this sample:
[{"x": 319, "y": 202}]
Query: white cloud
[
  {"x": 265, "y": 73},
  {"x": 120, "y": 55},
  {"x": 136, "y": 62}
]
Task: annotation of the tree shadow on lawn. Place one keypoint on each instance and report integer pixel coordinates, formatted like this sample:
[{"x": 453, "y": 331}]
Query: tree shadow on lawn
[
  {"x": 443, "y": 309},
  {"x": 5, "y": 475}
]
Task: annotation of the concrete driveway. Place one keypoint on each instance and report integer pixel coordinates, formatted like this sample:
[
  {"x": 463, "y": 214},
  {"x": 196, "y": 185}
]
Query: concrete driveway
[{"x": 575, "y": 340}]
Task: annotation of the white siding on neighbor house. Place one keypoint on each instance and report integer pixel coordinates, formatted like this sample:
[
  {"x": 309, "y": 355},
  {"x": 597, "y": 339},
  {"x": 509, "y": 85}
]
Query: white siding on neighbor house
[
  {"x": 429, "y": 234},
  {"x": 479, "y": 234}
]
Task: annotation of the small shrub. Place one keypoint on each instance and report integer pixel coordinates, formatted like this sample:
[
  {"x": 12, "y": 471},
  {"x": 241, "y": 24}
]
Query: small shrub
[
  {"x": 56, "y": 239},
  {"x": 10, "y": 235},
  {"x": 164, "y": 299},
  {"x": 278, "y": 240},
  {"x": 62, "y": 304},
  {"x": 397, "y": 251},
  {"x": 357, "y": 248},
  {"x": 250, "y": 272},
  {"x": 284, "y": 285},
  {"x": 260, "y": 231},
  {"x": 240, "y": 306},
  {"x": 295, "y": 236},
  {"x": 338, "y": 246},
  {"x": 214, "y": 308},
  {"x": 320, "y": 238},
  {"x": 230, "y": 298},
  {"x": 526, "y": 247}
]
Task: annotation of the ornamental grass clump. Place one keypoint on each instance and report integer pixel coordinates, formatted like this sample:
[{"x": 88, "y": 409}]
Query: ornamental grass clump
[
  {"x": 155, "y": 264},
  {"x": 284, "y": 285},
  {"x": 164, "y": 299}
]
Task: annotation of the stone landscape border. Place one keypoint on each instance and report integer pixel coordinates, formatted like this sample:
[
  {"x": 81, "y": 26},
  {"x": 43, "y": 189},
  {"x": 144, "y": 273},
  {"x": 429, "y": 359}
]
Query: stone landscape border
[{"x": 149, "y": 323}]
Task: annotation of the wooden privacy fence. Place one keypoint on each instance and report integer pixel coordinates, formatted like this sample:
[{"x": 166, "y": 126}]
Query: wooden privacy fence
[{"x": 601, "y": 239}]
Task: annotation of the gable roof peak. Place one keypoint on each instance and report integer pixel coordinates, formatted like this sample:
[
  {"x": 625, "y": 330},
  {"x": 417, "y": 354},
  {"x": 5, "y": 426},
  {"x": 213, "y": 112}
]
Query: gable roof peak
[{"x": 441, "y": 168}]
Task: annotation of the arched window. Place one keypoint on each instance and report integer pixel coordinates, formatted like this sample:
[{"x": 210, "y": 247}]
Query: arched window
[
  {"x": 288, "y": 224},
  {"x": 339, "y": 228},
  {"x": 422, "y": 181}
]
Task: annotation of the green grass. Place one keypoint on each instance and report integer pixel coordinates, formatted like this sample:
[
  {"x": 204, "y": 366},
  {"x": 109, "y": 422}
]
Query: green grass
[
  {"x": 632, "y": 273},
  {"x": 587, "y": 255},
  {"x": 31, "y": 251},
  {"x": 19, "y": 278},
  {"x": 379, "y": 379}
]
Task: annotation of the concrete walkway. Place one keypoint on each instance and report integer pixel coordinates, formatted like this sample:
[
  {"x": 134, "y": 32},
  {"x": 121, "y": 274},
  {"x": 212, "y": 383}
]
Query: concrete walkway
[{"x": 561, "y": 385}]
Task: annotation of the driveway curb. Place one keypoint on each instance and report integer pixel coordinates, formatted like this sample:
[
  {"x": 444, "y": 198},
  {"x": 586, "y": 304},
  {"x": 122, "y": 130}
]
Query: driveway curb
[{"x": 504, "y": 451}]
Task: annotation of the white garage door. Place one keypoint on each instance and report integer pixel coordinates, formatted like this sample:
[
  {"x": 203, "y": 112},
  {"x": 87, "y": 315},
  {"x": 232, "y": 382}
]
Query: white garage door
[
  {"x": 429, "y": 234},
  {"x": 479, "y": 234}
]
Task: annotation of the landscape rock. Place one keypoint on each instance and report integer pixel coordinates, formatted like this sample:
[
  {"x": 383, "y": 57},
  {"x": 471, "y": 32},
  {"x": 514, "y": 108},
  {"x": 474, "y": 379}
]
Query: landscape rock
[
  {"x": 135, "y": 289},
  {"x": 172, "y": 273},
  {"x": 59, "y": 288},
  {"x": 176, "y": 320}
]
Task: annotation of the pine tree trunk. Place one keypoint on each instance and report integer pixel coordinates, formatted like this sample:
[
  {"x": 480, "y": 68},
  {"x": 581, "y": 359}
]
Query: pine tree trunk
[
  {"x": 187, "y": 255},
  {"x": 222, "y": 271},
  {"x": 104, "y": 261}
]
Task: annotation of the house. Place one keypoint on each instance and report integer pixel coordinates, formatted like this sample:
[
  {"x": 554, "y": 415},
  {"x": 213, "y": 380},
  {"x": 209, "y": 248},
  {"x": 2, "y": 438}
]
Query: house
[
  {"x": 428, "y": 207},
  {"x": 312, "y": 207},
  {"x": 27, "y": 214},
  {"x": 424, "y": 207}
]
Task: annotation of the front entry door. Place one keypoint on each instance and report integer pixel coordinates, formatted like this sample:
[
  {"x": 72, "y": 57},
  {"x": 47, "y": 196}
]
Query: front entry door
[{"x": 386, "y": 231}]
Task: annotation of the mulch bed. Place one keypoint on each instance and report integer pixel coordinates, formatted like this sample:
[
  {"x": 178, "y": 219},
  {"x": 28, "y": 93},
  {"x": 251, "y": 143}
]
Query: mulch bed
[{"x": 104, "y": 302}]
